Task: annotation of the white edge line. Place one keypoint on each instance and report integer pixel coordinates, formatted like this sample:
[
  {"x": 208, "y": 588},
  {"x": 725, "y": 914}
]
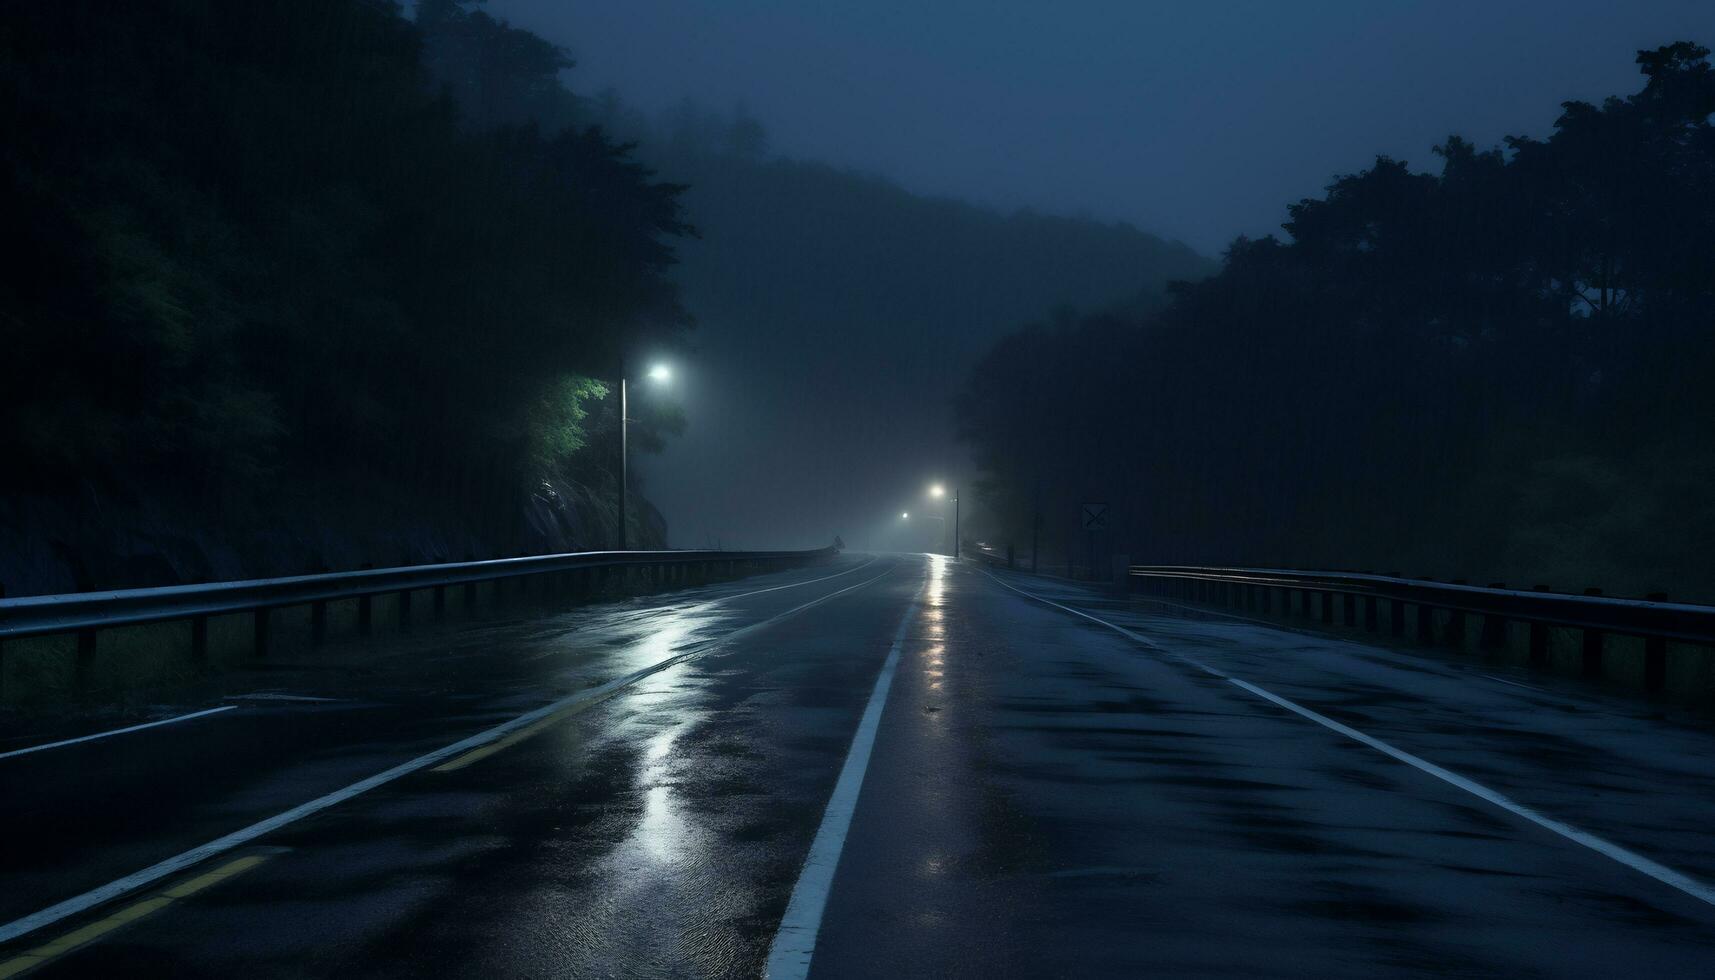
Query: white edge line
[
  {"x": 117, "y": 731},
  {"x": 285, "y": 698},
  {"x": 178, "y": 862},
  {"x": 1631, "y": 859},
  {"x": 1121, "y": 630},
  {"x": 795, "y": 940}
]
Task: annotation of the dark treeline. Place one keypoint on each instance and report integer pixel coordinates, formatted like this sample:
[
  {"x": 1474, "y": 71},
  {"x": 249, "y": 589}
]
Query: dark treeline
[
  {"x": 1502, "y": 371},
  {"x": 334, "y": 282},
  {"x": 265, "y": 253}
]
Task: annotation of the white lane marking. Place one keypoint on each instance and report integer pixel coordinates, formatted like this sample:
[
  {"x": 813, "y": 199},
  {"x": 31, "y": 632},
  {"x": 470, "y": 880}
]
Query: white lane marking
[
  {"x": 1287, "y": 628},
  {"x": 1128, "y": 634},
  {"x": 1226, "y": 615},
  {"x": 117, "y": 731},
  {"x": 265, "y": 696},
  {"x": 178, "y": 862},
  {"x": 1631, "y": 859},
  {"x": 1503, "y": 680},
  {"x": 795, "y": 940}
]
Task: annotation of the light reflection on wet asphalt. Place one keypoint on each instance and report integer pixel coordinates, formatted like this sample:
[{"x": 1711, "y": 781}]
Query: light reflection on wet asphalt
[{"x": 1043, "y": 799}]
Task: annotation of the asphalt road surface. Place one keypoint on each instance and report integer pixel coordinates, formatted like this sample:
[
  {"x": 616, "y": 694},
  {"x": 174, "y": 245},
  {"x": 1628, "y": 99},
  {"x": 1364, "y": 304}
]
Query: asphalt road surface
[{"x": 891, "y": 766}]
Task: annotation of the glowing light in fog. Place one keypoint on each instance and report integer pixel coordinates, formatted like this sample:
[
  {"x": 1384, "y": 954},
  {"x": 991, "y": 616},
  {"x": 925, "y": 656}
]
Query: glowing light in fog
[
  {"x": 660, "y": 373},
  {"x": 937, "y": 491},
  {"x": 905, "y": 517}
]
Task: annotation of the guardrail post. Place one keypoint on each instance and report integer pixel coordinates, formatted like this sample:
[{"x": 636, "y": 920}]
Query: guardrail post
[
  {"x": 1396, "y": 617},
  {"x": 1455, "y": 635},
  {"x": 1539, "y": 638},
  {"x": 1327, "y": 607},
  {"x": 1371, "y": 620},
  {"x": 1655, "y": 654},
  {"x": 440, "y": 602},
  {"x": 1351, "y": 609},
  {"x": 199, "y": 640},
  {"x": 404, "y": 610},
  {"x": 1426, "y": 623},
  {"x": 1494, "y": 633},
  {"x": 1592, "y": 660},
  {"x": 260, "y": 633}
]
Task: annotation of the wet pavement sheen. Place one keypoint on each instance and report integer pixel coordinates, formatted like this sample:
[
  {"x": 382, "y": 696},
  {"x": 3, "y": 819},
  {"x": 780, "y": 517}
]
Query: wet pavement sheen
[{"x": 1045, "y": 798}]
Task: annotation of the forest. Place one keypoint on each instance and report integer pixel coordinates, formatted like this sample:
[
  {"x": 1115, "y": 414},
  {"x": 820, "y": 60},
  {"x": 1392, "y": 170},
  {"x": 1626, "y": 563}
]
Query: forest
[
  {"x": 263, "y": 268},
  {"x": 1495, "y": 371},
  {"x": 345, "y": 282}
]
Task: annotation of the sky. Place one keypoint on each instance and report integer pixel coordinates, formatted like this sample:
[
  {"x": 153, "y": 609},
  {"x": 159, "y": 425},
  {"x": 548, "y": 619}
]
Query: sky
[{"x": 1197, "y": 121}]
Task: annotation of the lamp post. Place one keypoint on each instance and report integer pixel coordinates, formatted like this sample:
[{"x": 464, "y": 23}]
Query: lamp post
[
  {"x": 939, "y": 491},
  {"x": 660, "y": 374}
]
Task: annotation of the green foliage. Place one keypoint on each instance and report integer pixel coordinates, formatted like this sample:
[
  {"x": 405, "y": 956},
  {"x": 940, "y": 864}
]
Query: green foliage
[
  {"x": 556, "y": 422},
  {"x": 1490, "y": 370},
  {"x": 260, "y": 241}
]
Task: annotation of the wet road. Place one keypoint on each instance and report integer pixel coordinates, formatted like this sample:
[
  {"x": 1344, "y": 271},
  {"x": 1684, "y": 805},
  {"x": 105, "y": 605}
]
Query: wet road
[{"x": 885, "y": 767}]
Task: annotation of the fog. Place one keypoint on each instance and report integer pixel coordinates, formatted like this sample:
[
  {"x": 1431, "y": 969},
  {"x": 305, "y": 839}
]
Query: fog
[
  {"x": 1327, "y": 284},
  {"x": 811, "y": 415},
  {"x": 1195, "y": 121}
]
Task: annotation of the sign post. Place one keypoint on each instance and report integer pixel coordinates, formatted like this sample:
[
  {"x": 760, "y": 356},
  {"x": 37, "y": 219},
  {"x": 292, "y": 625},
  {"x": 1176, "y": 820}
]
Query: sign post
[{"x": 1092, "y": 517}]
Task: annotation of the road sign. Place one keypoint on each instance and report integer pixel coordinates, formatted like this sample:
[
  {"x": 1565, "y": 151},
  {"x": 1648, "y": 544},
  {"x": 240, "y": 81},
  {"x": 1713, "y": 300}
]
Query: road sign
[{"x": 1094, "y": 517}]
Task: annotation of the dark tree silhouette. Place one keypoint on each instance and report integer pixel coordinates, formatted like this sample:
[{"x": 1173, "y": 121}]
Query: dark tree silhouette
[{"x": 1503, "y": 369}]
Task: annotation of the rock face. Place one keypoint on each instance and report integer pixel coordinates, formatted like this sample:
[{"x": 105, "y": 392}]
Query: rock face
[{"x": 86, "y": 540}]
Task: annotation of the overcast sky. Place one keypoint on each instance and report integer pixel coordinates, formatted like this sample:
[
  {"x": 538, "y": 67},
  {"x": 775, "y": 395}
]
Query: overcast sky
[{"x": 1195, "y": 120}]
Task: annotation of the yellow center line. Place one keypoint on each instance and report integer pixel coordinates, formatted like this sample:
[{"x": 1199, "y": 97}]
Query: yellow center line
[
  {"x": 85, "y": 935},
  {"x": 528, "y": 731}
]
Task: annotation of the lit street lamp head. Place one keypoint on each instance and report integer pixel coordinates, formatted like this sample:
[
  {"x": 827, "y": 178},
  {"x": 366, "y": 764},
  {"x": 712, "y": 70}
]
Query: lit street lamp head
[
  {"x": 660, "y": 374},
  {"x": 937, "y": 491},
  {"x": 905, "y": 517}
]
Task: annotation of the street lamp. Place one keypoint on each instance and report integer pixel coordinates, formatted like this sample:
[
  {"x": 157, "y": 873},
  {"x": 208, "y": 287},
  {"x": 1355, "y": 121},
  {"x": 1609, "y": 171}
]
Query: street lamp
[
  {"x": 660, "y": 374},
  {"x": 938, "y": 491}
]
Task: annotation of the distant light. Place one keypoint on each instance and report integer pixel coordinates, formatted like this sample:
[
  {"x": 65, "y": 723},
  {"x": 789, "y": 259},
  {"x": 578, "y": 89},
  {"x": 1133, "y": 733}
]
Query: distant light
[
  {"x": 937, "y": 491},
  {"x": 905, "y": 517},
  {"x": 660, "y": 373}
]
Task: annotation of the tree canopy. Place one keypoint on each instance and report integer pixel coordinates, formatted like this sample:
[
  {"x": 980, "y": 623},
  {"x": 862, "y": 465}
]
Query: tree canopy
[
  {"x": 255, "y": 245},
  {"x": 1501, "y": 369}
]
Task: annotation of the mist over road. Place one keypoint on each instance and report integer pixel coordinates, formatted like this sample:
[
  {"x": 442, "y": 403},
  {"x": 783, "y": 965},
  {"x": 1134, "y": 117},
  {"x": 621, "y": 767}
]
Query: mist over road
[{"x": 996, "y": 783}]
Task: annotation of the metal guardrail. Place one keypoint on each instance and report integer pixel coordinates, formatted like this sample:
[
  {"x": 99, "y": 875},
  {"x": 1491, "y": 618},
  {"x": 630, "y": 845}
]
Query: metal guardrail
[
  {"x": 86, "y": 612},
  {"x": 1596, "y": 616}
]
